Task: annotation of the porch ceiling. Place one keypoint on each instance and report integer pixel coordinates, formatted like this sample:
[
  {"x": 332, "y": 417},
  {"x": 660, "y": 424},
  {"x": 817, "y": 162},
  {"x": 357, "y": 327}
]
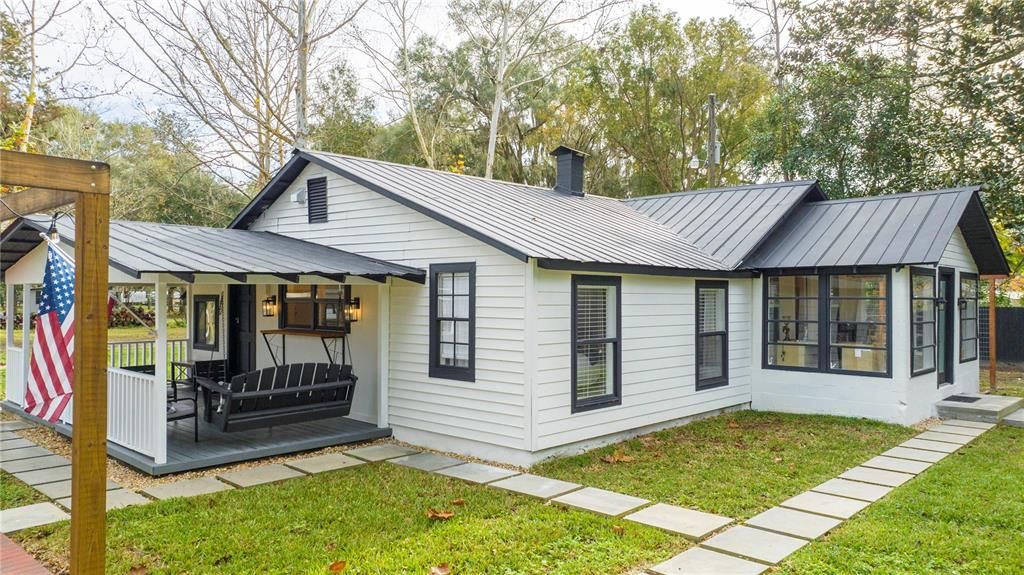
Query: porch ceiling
[{"x": 187, "y": 251}]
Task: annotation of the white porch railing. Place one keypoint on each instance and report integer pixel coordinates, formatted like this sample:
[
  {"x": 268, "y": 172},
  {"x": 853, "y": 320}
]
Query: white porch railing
[
  {"x": 134, "y": 401},
  {"x": 16, "y": 375},
  {"x": 143, "y": 352}
]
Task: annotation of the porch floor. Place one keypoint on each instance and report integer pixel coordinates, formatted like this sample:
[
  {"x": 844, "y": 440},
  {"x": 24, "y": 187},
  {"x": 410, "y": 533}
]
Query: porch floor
[{"x": 218, "y": 448}]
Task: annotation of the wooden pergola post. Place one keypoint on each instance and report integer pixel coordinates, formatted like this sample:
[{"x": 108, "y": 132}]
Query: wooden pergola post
[
  {"x": 55, "y": 182},
  {"x": 992, "y": 334}
]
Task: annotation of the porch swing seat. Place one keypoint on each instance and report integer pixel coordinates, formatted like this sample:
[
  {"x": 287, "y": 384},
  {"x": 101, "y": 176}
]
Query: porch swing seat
[{"x": 291, "y": 393}]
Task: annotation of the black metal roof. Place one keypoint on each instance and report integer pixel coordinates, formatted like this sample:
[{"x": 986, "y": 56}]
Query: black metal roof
[
  {"x": 728, "y": 223},
  {"x": 897, "y": 229},
  {"x": 521, "y": 220},
  {"x": 185, "y": 251}
]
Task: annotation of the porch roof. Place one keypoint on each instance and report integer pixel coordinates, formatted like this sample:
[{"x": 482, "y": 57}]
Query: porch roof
[{"x": 186, "y": 251}]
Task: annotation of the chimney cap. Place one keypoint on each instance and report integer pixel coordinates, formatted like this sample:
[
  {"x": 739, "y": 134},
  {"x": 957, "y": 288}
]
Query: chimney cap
[{"x": 562, "y": 150}]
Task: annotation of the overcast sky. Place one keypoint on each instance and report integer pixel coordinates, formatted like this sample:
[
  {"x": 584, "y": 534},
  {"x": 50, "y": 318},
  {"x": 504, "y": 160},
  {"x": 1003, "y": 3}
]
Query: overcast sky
[{"x": 133, "y": 101}]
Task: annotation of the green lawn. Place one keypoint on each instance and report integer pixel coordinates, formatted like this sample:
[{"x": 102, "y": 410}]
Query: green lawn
[
  {"x": 14, "y": 493},
  {"x": 964, "y": 516},
  {"x": 1008, "y": 381},
  {"x": 374, "y": 518},
  {"x": 736, "y": 464}
]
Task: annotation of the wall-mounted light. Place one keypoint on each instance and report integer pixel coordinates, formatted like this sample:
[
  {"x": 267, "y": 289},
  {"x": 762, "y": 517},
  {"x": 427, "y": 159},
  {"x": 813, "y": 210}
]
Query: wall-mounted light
[
  {"x": 353, "y": 312},
  {"x": 270, "y": 306},
  {"x": 961, "y": 303},
  {"x": 52, "y": 233}
]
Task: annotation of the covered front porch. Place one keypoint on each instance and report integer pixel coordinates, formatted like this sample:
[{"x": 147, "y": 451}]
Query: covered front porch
[{"x": 248, "y": 301}]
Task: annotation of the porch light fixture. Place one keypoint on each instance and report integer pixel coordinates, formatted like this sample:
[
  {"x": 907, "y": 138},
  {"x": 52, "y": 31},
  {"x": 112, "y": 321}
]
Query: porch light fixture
[
  {"x": 352, "y": 310},
  {"x": 52, "y": 233},
  {"x": 961, "y": 303},
  {"x": 270, "y": 306}
]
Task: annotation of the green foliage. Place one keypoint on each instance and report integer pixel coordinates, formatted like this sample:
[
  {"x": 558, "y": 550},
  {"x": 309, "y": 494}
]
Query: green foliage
[
  {"x": 346, "y": 123},
  {"x": 15, "y": 493},
  {"x": 14, "y": 88}
]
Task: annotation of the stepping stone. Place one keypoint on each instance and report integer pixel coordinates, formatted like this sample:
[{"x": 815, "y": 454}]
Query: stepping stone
[
  {"x": 41, "y": 476},
  {"x": 536, "y": 486},
  {"x": 325, "y": 462},
  {"x": 62, "y": 489},
  {"x": 853, "y": 489},
  {"x": 601, "y": 501},
  {"x": 915, "y": 454},
  {"x": 18, "y": 518},
  {"x": 15, "y": 444},
  {"x": 756, "y": 544},
  {"x": 894, "y": 464},
  {"x": 380, "y": 452},
  {"x": 116, "y": 499},
  {"x": 34, "y": 463},
  {"x": 957, "y": 430},
  {"x": 699, "y": 561},
  {"x": 260, "y": 475},
  {"x": 945, "y": 437},
  {"x": 8, "y": 436},
  {"x": 477, "y": 473},
  {"x": 688, "y": 522},
  {"x": 794, "y": 523},
  {"x": 926, "y": 445},
  {"x": 876, "y": 476},
  {"x": 967, "y": 423},
  {"x": 825, "y": 504},
  {"x": 1015, "y": 419},
  {"x": 24, "y": 453},
  {"x": 14, "y": 425},
  {"x": 427, "y": 461},
  {"x": 187, "y": 488}
]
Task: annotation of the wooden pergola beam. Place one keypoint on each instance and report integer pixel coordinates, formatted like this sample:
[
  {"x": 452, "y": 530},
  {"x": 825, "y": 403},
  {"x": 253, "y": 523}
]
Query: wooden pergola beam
[
  {"x": 33, "y": 201},
  {"x": 54, "y": 182}
]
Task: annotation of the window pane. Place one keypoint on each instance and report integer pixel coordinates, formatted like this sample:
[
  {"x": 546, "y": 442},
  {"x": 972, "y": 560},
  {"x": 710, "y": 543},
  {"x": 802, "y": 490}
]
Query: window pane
[
  {"x": 793, "y": 286},
  {"x": 969, "y": 349},
  {"x": 299, "y": 314},
  {"x": 461, "y": 355},
  {"x": 970, "y": 309},
  {"x": 922, "y": 334},
  {"x": 857, "y": 310},
  {"x": 330, "y": 315},
  {"x": 801, "y": 309},
  {"x": 857, "y": 286},
  {"x": 593, "y": 310},
  {"x": 968, "y": 288},
  {"x": 444, "y": 283},
  {"x": 924, "y": 359},
  {"x": 923, "y": 310},
  {"x": 330, "y": 293},
  {"x": 461, "y": 281},
  {"x": 462, "y": 332},
  {"x": 594, "y": 365},
  {"x": 855, "y": 359},
  {"x": 711, "y": 315},
  {"x": 924, "y": 286},
  {"x": 969, "y": 329},
  {"x": 447, "y": 331},
  {"x": 445, "y": 306},
  {"x": 711, "y": 361},
  {"x": 783, "y": 355},
  {"x": 298, "y": 292},
  {"x": 802, "y": 331},
  {"x": 447, "y": 354},
  {"x": 858, "y": 333},
  {"x": 461, "y": 306}
]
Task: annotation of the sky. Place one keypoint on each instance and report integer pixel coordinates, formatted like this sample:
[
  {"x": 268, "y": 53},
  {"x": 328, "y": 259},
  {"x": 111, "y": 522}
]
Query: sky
[{"x": 122, "y": 99}]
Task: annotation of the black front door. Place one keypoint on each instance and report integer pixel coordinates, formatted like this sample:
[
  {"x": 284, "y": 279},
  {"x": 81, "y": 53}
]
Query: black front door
[
  {"x": 241, "y": 329},
  {"x": 944, "y": 328}
]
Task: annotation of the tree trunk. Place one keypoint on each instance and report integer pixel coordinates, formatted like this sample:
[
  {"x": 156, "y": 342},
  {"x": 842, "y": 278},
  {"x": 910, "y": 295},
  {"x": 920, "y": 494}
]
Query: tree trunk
[
  {"x": 499, "y": 98},
  {"x": 33, "y": 86},
  {"x": 302, "y": 75}
]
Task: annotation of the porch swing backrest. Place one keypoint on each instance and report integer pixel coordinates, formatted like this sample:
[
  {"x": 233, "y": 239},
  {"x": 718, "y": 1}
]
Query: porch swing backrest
[{"x": 305, "y": 378}]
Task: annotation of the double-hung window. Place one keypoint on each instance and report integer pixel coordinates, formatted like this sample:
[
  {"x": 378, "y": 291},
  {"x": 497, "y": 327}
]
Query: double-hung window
[
  {"x": 453, "y": 321},
  {"x": 968, "y": 304},
  {"x": 922, "y": 320},
  {"x": 832, "y": 322},
  {"x": 596, "y": 341},
  {"x": 712, "y": 334}
]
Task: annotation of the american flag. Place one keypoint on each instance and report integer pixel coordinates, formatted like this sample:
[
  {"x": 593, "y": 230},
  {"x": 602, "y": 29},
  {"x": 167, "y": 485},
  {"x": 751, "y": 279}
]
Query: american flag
[{"x": 52, "y": 370}]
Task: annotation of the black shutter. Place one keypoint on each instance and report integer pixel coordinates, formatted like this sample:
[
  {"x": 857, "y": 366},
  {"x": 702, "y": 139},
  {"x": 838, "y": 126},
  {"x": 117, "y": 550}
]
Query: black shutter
[{"x": 316, "y": 200}]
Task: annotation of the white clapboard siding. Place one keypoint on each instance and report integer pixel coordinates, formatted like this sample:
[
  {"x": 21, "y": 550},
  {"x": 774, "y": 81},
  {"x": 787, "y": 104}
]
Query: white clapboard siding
[
  {"x": 957, "y": 254},
  {"x": 490, "y": 409},
  {"x": 658, "y": 380}
]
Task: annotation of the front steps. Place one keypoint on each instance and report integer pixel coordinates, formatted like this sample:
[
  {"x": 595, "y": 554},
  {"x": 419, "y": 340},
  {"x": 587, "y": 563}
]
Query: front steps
[{"x": 983, "y": 408}]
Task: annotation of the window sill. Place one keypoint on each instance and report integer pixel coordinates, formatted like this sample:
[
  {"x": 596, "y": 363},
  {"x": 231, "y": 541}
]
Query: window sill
[
  {"x": 597, "y": 403},
  {"x": 453, "y": 373},
  {"x": 886, "y": 375},
  {"x": 711, "y": 384}
]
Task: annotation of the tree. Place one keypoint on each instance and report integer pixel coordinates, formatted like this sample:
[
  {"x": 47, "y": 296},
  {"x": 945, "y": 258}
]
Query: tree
[
  {"x": 511, "y": 34},
  {"x": 346, "y": 124}
]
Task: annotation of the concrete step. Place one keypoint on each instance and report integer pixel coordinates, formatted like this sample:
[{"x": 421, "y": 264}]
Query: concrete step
[
  {"x": 1015, "y": 419},
  {"x": 987, "y": 408}
]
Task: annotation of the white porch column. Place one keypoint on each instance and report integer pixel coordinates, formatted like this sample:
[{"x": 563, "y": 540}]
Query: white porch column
[
  {"x": 383, "y": 350},
  {"x": 15, "y": 389},
  {"x": 11, "y": 304},
  {"x": 27, "y": 305},
  {"x": 160, "y": 397}
]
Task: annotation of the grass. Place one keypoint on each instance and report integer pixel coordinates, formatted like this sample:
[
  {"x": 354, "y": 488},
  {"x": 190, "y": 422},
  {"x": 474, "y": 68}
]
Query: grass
[
  {"x": 964, "y": 516},
  {"x": 735, "y": 465},
  {"x": 15, "y": 493},
  {"x": 1009, "y": 381},
  {"x": 374, "y": 518}
]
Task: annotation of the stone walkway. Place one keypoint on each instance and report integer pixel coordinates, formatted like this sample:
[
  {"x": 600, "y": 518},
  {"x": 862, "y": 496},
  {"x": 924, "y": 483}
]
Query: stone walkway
[{"x": 752, "y": 548}]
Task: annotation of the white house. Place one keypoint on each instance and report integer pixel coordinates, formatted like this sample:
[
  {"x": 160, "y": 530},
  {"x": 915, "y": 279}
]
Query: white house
[{"x": 514, "y": 322}]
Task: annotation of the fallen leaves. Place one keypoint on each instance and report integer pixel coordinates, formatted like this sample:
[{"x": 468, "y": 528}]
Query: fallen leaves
[
  {"x": 138, "y": 570},
  {"x": 460, "y": 502},
  {"x": 618, "y": 530},
  {"x": 617, "y": 456},
  {"x": 732, "y": 425},
  {"x": 442, "y": 569},
  {"x": 338, "y": 566},
  {"x": 439, "y": 514}
]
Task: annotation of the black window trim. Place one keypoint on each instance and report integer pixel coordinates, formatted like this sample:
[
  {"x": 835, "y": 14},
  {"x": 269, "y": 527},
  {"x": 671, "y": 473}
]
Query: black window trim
[
  {"x": 314, "y": 299},
  {"x": 321, "y": 198},
  {"x": 824, "y": 306},
  {"x": 722, "y": 380},
  {"x": 932, "y": 273},
  {"x": 196, "y": 344},
  {"x": 435, "y": 368},
  {"x": 960, "y": 317},
  {"x": 615, "y": 398}
]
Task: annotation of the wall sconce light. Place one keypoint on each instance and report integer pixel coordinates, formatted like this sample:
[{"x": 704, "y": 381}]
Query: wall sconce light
[
  {"x": 270, "y": 306},
  {"x": 353, "y": 312},
  {"x": 961, "y": 303}
]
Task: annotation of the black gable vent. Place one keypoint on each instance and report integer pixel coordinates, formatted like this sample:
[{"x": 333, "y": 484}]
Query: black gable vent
[
  {"x": 569, "y": 170},
  {"x": 316, "y": 200}
]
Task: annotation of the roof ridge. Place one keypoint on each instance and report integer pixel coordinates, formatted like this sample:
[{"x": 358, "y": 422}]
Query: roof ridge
[
  {"x": 879, "y": 197},
  {"x": 724, "y": 189}
]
